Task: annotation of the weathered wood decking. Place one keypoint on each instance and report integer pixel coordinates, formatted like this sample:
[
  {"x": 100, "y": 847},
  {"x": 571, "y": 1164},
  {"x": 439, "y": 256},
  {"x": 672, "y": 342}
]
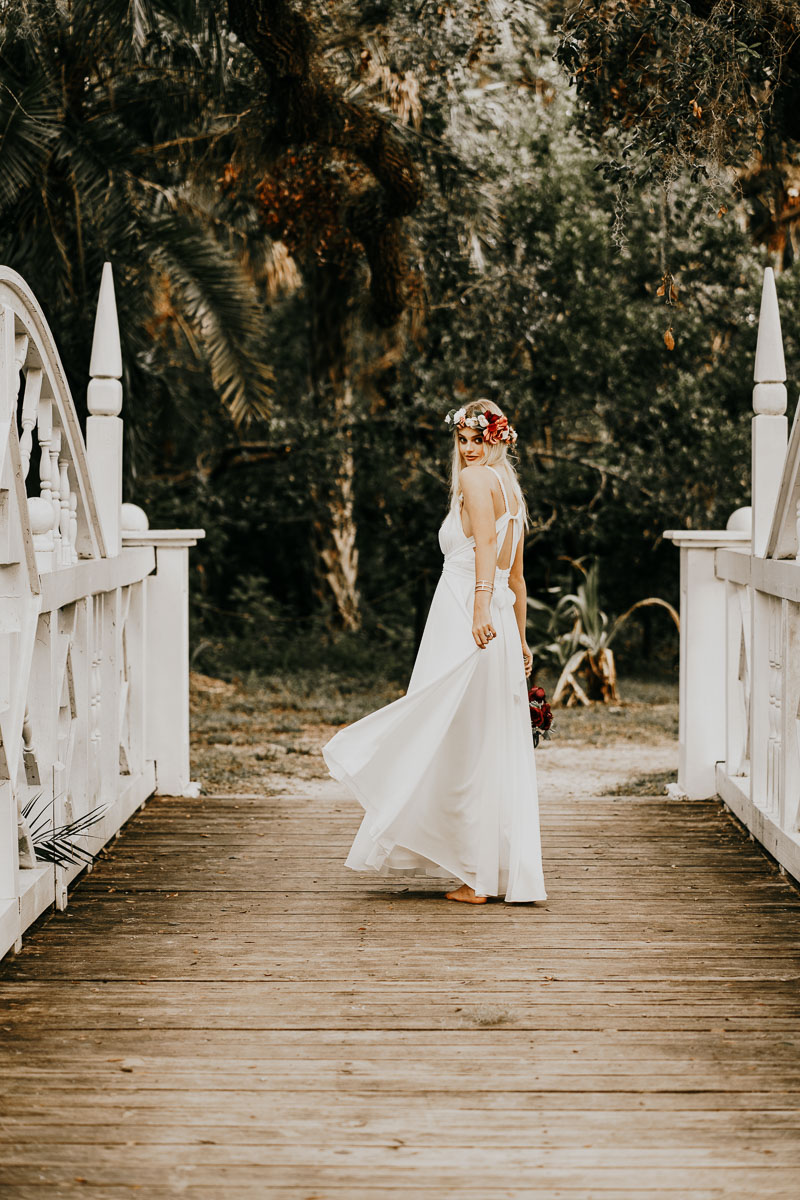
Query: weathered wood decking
[{"x": 225, "y": 1012}]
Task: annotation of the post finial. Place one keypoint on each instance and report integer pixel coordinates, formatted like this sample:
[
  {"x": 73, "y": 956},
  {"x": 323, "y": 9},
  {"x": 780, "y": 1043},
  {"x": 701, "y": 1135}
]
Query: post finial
[
  {"x": 769, "y": 394},
  {"x": 104, "y": 395}
]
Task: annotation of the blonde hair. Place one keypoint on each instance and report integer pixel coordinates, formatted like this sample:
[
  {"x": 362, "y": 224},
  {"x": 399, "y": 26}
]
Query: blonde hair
[{"x": 494, "y": 455}]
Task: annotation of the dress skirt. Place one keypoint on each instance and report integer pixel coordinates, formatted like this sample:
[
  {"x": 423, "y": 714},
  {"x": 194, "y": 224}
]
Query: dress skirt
[{"x": 446, "y": 774}]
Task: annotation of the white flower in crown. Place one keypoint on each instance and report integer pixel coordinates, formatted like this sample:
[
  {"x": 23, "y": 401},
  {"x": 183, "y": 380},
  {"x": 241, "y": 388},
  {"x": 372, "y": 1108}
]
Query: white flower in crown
[
  {"x": 459, "y": 415},
  {"x": 482, "y": 421}
]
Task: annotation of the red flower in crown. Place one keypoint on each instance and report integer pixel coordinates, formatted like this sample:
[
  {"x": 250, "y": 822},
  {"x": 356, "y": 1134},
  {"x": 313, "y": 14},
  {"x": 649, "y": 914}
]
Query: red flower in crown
[{"x": 496, "y": 429}]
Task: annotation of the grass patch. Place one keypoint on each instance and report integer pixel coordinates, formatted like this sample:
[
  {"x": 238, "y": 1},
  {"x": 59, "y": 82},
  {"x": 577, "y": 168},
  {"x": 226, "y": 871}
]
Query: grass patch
[
  {"x": 248, "y": 729},
  {"x": 244, "y": 730},
  {"x": 647, "y": 713},
  {"x": 653, "y": 784}
]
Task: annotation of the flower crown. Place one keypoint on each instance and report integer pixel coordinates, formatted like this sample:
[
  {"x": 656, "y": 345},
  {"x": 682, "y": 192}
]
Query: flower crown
[{"x": 494, "y": 426}]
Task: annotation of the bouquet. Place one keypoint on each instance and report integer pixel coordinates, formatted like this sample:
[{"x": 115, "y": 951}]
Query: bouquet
[{"x": 541, "y": 714}]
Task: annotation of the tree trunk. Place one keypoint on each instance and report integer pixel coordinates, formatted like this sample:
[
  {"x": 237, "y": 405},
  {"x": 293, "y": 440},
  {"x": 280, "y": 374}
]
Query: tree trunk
[
  {"x": 330, "y": 293},
  {"x": 313, "y": 108}
]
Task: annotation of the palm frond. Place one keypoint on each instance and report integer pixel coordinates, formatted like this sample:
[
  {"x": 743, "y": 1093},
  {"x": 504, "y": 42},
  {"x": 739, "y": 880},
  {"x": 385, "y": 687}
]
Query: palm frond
[
  {"x": 56, "y": 844},
  {"x": 222, "y": 308},
  {"x": 29, "y": 127}
]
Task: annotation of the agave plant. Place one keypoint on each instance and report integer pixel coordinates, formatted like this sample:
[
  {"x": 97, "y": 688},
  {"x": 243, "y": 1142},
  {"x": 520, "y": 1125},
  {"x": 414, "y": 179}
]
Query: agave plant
[{"x": 578, "y": 636}]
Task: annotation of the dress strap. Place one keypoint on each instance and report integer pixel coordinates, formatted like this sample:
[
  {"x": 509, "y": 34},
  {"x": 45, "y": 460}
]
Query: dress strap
[{"x": 499, "y": 479}]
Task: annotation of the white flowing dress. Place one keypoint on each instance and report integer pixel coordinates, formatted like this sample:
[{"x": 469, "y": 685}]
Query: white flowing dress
[{"x": 446, "y": 774}]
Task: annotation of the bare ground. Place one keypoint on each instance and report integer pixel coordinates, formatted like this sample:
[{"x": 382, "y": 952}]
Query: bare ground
[{"x": 266, "y": 734}]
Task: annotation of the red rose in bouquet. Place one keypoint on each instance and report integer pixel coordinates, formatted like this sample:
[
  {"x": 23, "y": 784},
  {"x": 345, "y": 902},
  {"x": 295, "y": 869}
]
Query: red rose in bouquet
[{"x": 541, "y": 714}]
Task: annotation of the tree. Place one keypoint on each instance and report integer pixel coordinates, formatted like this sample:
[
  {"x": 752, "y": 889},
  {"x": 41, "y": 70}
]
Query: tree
[
  {"x": 708, "y": 88},
  {"x": 512, "y": 289},
  {"x": 340, "y": 186},
  {"x": 103, "y": 107}
]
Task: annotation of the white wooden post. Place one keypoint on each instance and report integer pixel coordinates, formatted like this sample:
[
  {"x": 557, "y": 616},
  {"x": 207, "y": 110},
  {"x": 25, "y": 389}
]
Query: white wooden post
[
  {"x": 703, "y": 645},
  {"x": 167, "y": 669},
  {"x": 770, "y": 426},
  {"x": 770, "y": 438},
  {"x": 104, "y": 425},
  {"x": 167, "y": 658}
]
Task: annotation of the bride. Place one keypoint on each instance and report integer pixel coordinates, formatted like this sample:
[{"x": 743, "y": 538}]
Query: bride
[{"x": 446, "y": 774}]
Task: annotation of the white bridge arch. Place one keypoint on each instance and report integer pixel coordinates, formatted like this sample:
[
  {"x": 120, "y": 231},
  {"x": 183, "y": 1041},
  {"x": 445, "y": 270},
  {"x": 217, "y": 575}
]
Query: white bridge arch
[{"x": 93, "y": 615}]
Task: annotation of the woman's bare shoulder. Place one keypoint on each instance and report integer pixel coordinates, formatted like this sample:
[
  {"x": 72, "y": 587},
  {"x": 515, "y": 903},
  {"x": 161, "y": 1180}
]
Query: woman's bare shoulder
[{"x": 476, "y": 478}]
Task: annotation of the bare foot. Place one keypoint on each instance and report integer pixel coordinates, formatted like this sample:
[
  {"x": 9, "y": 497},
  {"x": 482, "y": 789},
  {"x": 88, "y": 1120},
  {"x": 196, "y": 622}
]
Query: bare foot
[{"x": 466, "y": 894}]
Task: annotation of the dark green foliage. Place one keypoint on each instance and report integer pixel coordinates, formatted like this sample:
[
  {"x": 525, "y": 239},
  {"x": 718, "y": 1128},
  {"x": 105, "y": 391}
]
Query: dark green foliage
[
  {"x": 522, "y": 296},
  {"x": 107, "y": 111},
  {"x": 693, "y": 87}
]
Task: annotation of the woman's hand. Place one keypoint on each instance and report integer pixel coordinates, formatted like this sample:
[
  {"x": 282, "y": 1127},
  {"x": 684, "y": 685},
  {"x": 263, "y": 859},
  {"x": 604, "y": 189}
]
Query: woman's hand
[
  {"x": 483, "y": 630},
  {"x": 527, "y": 658}
]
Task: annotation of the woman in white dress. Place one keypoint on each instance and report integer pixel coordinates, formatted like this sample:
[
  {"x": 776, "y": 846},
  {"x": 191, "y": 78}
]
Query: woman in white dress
[{"x": 446, "y": 774}]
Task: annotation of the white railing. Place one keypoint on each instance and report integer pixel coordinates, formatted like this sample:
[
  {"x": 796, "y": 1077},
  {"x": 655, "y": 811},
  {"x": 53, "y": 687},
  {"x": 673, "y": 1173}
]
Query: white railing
[
  {"x": 93, "y": 615},
  {"x": 740, "y": 628}
]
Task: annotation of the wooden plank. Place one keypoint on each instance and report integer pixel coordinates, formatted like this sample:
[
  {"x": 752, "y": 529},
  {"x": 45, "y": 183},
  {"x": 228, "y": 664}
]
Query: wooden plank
[
  {"x": 366, "y": 1191},
  {"x": 293, "y": 1122},
  {"x": 108, "y": 1168},
  {"x": 338, "y": 1159},
  {"x": 236, "y": 1013}
]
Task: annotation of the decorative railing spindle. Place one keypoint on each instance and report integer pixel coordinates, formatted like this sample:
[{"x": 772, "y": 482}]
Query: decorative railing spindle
[
  {"x": 44, "y": 432},
  {"x": 63, "y": 519},
  {"x": 73, "y": 525},
  {"x": 55, "y": 495},
  {"x": 30, "y": 412},
  {"x": 29, "y": 752},
  {"x": 21, "y": 342}
]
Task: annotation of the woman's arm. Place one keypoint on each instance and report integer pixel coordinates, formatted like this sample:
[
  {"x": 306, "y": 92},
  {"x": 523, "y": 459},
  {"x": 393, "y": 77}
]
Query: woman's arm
[
  {"x": 476, "y": 484},
  {"x": 516, "y": 581}
]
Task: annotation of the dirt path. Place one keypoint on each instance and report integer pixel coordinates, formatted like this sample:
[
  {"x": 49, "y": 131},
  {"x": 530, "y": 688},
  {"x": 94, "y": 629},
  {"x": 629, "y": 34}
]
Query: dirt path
[{"x": 267, "y": 736}]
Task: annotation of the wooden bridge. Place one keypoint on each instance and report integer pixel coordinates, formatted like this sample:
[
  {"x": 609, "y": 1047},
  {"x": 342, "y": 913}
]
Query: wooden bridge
[{"x": 225, "y": 1010}]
